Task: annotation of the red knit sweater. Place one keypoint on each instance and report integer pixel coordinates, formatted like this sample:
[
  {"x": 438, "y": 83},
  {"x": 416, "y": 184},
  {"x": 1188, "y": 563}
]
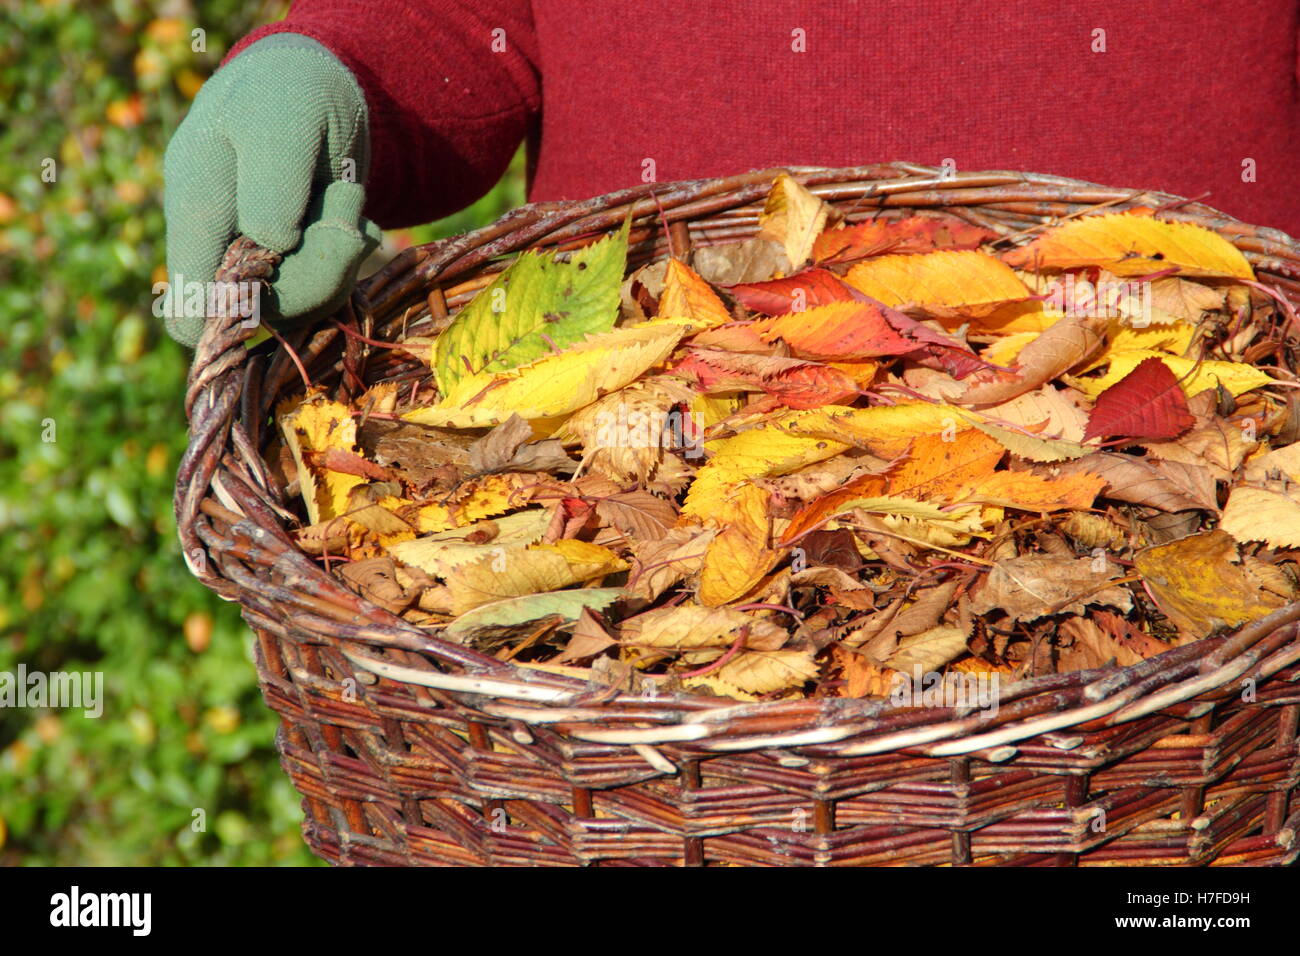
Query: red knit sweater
[{"x": 1189, "y": 96}]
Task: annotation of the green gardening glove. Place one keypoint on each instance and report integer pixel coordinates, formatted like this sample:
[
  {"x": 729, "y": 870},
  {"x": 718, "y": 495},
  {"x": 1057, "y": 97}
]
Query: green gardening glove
[{"x": 275, "y": 147}]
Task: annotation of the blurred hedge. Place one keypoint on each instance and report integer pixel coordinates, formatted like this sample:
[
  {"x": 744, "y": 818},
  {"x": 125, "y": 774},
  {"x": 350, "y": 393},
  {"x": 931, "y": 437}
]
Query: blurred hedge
[{"x": 91, "y": 577}]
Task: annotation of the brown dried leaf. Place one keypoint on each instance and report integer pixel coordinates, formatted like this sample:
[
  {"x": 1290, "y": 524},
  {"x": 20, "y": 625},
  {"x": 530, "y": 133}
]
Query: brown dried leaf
[
  {"x": 928, "y": 651},
  {"x": 663, "y": 563},
  {"x": 589, "y": 639},
  {"x": 1035, "y": 585},
  {"x": 375, "y": 579},
  {"x": 753, "y": 260},
  {"x": 638, "y": 514},
  {"x": 1168, "y": 485},
  {"x": 1065, "y": 344}
]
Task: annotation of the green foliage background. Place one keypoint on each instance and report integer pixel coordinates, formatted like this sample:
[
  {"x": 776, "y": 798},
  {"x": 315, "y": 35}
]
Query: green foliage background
[{"x": 91, "y": 577}]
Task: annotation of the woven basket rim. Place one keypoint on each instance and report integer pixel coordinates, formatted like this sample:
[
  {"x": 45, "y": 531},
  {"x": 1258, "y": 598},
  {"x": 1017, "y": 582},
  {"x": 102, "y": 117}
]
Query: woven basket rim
[{"x": 218, "y": 480}]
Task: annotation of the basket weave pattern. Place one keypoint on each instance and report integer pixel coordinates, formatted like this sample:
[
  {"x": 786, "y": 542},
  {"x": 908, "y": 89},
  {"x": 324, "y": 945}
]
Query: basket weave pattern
[{"x": 411, "y": 750}]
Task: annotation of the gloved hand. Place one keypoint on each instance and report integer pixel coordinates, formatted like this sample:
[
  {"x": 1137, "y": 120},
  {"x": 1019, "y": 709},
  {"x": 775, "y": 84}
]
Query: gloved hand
[{"x": 276, "y": 147}]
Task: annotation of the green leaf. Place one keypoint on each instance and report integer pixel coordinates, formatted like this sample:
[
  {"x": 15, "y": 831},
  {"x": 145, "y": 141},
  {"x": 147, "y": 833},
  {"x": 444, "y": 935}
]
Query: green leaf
[
  {"x": 530, "y": 607},
  {"x": 536, "y": 305}
]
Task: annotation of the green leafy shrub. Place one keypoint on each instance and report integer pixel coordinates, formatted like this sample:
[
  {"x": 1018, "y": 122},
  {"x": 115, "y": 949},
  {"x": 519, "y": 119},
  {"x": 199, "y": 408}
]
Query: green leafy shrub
[{"x": 181, "y": 766}]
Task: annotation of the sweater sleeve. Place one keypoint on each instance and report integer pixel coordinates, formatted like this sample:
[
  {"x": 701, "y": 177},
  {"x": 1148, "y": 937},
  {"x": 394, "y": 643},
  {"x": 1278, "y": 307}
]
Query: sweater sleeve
[{"x": 452, "y": 88}]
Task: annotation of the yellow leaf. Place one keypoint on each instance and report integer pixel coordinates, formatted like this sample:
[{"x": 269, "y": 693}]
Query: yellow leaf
[
  {"x": 721, "y": 688},
  {"x": 794, "y": 217},
  {"x": 1257, "y": 514},
  {"x": 487, "y": 496},
  {"x": 1175, "y": 337},
  {"x": 317, "y": 425},
  {"x": 379, "y": 517},
  {"x": 968, "y": 283},
  {"x": 687, "y": 296},
  {"x": 762, "y": 672},
  {"x": 862, "y": 372},
  {"x": 951, "y": 527},
  {"x": 760, "y": 452},
  {"x": 1031, "y": 447},
  {"x": 1130, "y": 245},
  {"x": 1201, "y": 586},
  {"x": 1010, "y": 318},
  {"x": 919, "y": 522},
  {"x": 886, "y": 430},
  {"x": 713, "y": 408},
  {"x": 691, "y": 626},
  {"x": 1006, "y": 350},
  {"x": 440, "y": 553},
  {"x": 515, "y": 572},
  {"x": 739, "y": 556},
  {"x": 1236, "y": 377},
  {"x": 590, "y": 560},
  {"x": 555, "y": 384}
]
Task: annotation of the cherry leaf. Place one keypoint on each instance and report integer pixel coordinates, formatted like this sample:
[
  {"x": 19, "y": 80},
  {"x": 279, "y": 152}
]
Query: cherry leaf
[
  {"x": 1145, "y": 403},
  {"x": 782, "y": 296}
]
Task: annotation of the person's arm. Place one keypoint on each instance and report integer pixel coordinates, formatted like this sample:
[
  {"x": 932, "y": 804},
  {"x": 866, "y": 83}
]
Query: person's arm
[
  {"x": 409, "y": 111},
  {"x": 452, "y": 87}
]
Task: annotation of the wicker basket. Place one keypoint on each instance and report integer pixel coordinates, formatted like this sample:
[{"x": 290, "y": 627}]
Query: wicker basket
[{"x": 411, "y": 750}]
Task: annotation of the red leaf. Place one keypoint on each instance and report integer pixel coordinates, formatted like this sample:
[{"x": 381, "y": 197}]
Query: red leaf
[
  {"x": 915, "y": 234},
  {"x": 779, "y": 296},
  {"x": 1146, "y": 403},
  {"x": 792, "y": 382},
  {"x": 933, "y": 348}
]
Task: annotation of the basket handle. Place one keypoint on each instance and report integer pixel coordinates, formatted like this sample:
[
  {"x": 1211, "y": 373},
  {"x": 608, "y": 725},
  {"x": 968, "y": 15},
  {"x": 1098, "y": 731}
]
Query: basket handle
[
  {"x": 215, "y": 381},
  {"x": 212, "y": 400}
]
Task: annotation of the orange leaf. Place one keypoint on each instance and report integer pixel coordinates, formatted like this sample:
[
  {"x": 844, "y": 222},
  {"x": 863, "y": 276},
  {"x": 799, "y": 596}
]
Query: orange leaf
[
  {"x": 1030, "y": 492},
  {"x": 945, "y": 470},
  {"x": 838, "y": 330},
  {"x": 935, "y": 469},
  {"x": 687, "y": 296},
  {"x": 793, "y": 382},
  {"x": 954, "y": 283},
  {"x": 862, "y": 678},
  {"x": 915, "y": 234}
]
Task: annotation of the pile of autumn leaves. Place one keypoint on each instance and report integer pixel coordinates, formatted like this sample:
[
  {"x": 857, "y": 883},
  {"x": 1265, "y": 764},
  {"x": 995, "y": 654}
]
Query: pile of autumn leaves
[{"x": 810, "y": 461}]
